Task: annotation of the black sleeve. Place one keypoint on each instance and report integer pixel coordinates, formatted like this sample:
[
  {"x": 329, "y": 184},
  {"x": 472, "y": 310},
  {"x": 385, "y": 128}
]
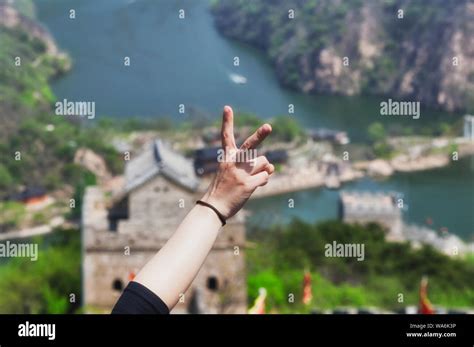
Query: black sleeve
[{"x": 138, "y": 299}]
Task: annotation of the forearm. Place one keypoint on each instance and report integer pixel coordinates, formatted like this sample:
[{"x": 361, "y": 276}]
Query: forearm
[{"x": 170, "y": 272}]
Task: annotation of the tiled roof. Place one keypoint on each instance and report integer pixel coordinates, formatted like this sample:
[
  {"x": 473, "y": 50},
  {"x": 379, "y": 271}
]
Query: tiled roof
[{"x": 157, "y": 159}]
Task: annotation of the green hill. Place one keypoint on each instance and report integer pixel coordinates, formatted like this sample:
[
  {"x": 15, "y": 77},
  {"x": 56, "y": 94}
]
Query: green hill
[{"x": 406, "y": 54}]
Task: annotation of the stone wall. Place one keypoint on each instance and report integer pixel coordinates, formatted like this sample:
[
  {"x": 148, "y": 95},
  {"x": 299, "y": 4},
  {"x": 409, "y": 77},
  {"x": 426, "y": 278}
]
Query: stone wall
[
  {"x": 101, "y": 270},
  {"x": 220, "y": 286},
  {"x": 155, "y": 211},
  {"x": 158, "y": 206}
]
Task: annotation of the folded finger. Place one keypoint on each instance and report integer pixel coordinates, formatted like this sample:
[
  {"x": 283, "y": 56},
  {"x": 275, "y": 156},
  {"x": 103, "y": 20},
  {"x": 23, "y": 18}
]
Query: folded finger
[
  {"x": 259, "y": 179},
  {"x": 259, "y": 164}
]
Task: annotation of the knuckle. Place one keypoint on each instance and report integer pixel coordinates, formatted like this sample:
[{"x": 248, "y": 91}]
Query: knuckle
[
  {"x": 248, "y": 187},
  {"x": 237, "y": 177}
]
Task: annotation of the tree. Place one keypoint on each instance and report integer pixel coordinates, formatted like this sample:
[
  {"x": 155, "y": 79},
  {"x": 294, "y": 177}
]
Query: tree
[
  {"x": 5, "y": 178},
  {"x": 286, "y": 128},
  {"x": 376, "y": 132},
  {"x": 282, "y": 252},
  {"x": 48, "y": 284}
]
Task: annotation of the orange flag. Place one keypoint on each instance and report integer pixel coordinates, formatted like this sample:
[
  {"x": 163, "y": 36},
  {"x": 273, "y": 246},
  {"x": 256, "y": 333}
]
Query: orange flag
[
  {"x": 259, "y": 305},
  {"x": 425, "y": 304},
  {"x": 307, "y": 292}
]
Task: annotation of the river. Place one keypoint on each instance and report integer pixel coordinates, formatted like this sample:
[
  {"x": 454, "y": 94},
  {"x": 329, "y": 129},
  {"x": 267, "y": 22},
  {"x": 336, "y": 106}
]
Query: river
[{"x": 185, "y": 61}]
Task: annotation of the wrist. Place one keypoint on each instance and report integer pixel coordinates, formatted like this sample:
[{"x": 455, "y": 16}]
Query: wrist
[
  {"x": 216, "y": 203},
  {"x": 208, "y": 211}
]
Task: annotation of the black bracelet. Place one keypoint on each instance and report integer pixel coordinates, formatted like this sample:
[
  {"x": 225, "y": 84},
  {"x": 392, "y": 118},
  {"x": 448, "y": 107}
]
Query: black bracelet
[{"x": 220, "y": 215}]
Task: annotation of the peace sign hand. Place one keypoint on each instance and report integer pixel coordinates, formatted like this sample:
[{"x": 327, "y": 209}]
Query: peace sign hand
[{"x": 241, "y": 171}]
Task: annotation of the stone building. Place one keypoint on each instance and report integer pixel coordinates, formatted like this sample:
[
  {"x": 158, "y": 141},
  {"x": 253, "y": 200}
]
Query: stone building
[
  {"x": 365, "y": 207},
  {"x": 122, "y": 232}
]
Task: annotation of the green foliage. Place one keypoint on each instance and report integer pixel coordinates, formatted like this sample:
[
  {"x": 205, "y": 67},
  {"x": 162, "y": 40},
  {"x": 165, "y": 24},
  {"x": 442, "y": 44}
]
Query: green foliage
[
  {"x": 127, "y": 125},
  {"x": 265, "y": 24},
  {"x": 39, "y": 218},
  {"x": 295, "y": 46},
  {"x": 446, "y": 129},
  {"x": 11, "y": 214},
  {"x": 25, "y": 113},
  {"x": 453, "y": 147},
  {"x": 383, "y": 150},
  {"x": 286, "y": 128},
  {"x": 25, "y": 99},
  {"x": 407, "y": 131},
  {"x": 272, "y": 282},
  {"x": 243, "y": 119},
  {"x": 5, "y": 178},
  {"x": 45, "y": 285},
  {"x": 26, "y": 85},
  {"x": 376, "y": 132},
  {"x": 47, "y": 156},
  {"x": 283, "y": 252},
  {"x": 377, "y": 135},
  {"x": 85, "y": 179}
]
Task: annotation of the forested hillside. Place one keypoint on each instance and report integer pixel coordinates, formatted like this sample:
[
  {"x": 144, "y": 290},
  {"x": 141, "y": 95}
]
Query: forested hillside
[{"x": 408, "y": 49}]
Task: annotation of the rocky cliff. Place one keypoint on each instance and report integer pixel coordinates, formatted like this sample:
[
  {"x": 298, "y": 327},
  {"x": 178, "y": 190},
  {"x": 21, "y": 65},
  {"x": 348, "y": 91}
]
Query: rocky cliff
[
  {"x": 11, "y": 18},
  {"x": 407, "y": 49}
]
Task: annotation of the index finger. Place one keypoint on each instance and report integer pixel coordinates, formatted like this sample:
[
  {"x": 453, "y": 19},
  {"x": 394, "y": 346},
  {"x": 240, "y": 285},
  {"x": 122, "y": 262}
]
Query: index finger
[
  {"x": 227, "y": 132},
  {"x": 257, "y": 137}
]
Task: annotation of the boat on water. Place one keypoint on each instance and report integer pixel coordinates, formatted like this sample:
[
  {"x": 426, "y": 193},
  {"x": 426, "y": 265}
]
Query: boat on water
[{"x": 238, "y": 79}]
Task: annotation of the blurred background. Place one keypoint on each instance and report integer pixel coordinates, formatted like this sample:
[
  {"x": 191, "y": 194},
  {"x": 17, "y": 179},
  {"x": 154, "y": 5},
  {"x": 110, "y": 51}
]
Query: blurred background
[{"x": 100, "y": 193}]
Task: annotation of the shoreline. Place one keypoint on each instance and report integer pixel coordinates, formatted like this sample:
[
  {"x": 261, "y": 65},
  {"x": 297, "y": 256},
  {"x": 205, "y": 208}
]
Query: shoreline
[{"x": 314, "y": 177}]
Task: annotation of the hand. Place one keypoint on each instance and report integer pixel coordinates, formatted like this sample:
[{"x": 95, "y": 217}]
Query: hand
[{"x": 237, "y": 179}]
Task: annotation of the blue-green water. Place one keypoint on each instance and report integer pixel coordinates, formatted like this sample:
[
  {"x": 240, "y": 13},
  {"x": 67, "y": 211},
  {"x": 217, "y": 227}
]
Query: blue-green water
[
  {"x": 175, "y": 61},
  {"x": 445, "y": 195}
]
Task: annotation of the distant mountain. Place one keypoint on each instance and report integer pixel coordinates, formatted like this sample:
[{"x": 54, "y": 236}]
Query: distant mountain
[{"x": 427, "y": 55}]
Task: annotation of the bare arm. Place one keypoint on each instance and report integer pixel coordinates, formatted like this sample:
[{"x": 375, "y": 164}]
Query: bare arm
[{"x": 170, "y": 272}]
